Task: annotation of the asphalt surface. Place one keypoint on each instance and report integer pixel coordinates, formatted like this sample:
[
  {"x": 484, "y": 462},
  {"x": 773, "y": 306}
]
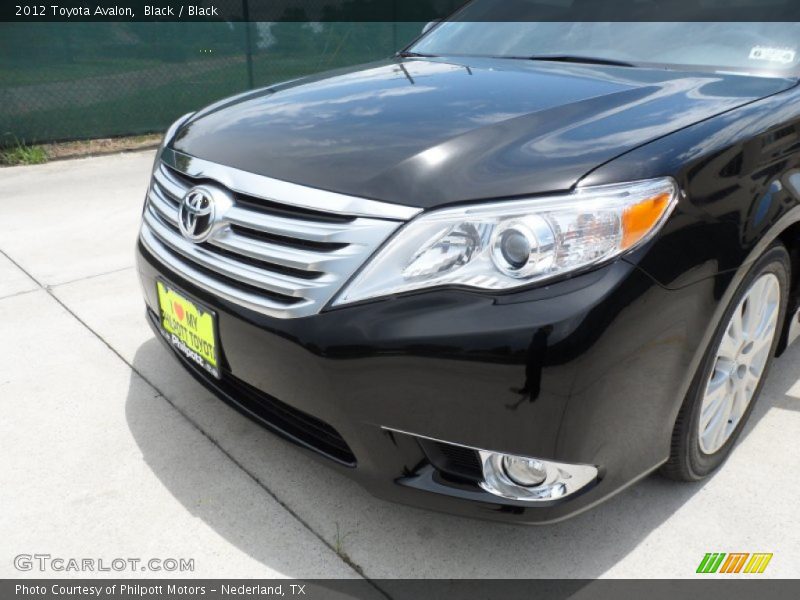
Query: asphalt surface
[{"x": 110, "y": 450}]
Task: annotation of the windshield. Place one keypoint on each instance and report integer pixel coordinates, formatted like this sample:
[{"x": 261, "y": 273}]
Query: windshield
[{"x": 760, "y": 48}]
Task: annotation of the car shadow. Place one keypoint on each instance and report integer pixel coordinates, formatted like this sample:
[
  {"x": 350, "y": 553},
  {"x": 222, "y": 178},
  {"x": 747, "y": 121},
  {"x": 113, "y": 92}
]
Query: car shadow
[{"x": 388, "y": 540}]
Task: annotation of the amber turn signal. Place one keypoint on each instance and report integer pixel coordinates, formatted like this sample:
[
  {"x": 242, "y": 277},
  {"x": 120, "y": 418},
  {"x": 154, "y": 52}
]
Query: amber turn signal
[{"x": 638, "y": 220}]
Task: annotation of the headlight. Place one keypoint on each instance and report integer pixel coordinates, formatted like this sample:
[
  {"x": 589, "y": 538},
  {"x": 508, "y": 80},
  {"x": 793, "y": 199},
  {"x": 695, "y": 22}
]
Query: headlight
[{"x": 505, "y": 245}]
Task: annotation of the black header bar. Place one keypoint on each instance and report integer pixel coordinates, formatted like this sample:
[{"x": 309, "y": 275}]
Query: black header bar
[
  {"x": 710, "y": 588},
  {"x": 399, "y": 10}
]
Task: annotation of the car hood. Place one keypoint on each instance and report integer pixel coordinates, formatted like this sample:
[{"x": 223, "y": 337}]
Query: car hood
[{"x": 436, "y": 131}]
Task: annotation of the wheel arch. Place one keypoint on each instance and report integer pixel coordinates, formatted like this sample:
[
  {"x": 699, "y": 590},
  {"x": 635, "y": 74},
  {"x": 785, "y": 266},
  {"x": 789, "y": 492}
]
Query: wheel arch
[
  {"x": 786, "y": 231},
  {"x": 790, "y": 237}
]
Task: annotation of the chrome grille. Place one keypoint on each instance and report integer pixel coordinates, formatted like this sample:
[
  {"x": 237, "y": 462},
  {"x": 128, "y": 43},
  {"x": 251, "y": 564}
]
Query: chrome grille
[{"x": 280, "y": 249}]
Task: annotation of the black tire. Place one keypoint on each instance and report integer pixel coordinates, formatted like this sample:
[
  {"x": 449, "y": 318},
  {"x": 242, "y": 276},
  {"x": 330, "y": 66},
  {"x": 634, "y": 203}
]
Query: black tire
[{"x": 687, "y": 461}]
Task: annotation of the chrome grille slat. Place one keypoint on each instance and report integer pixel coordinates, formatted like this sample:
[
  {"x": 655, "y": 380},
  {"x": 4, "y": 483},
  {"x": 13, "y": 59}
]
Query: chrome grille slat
[
  {"x": 254, "y": 302},
  {"x": 162, "y": 206},
  {"x": 313, "y": 231},
  {"x": 172, "y": 186},
  {"x": 299, "y": 259},
  {"x": 278, "y": 283},
  {"x": 294, "y": 258},
  {"x": 358, "y": 231}
]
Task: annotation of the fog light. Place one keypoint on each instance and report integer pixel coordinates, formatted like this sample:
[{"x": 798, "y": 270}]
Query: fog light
[
  {"x": 524, "y": 471},
  {"x": 521, "y": 478},
  {"x": 532, "y": 479}
]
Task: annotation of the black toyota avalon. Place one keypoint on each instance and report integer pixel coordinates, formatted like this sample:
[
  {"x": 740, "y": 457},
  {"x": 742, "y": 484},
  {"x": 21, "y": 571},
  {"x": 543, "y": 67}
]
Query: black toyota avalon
[{"x": 505, "y": 273}]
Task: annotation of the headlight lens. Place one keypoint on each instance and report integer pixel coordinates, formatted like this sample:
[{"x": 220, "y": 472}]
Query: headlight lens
[{"x": 504, "y": 245}]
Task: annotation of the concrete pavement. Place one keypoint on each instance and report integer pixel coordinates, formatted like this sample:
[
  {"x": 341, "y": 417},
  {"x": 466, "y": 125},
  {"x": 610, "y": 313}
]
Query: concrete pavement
[{"x": 111, "y": 450}]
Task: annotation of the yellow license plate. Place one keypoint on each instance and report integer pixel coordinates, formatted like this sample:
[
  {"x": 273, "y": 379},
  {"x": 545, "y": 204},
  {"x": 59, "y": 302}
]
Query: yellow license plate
[{"x": 189, "y": 327}]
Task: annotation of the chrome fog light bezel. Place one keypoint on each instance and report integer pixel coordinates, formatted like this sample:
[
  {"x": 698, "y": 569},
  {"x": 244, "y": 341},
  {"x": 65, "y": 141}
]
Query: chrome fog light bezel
[{"x": 562, "y": 479}]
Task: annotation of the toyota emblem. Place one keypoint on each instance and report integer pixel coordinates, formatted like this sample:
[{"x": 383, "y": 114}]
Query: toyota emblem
[{"x": 196, "y": 215}]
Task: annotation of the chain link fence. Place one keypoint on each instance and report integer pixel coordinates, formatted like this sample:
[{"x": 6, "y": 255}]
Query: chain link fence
[{"x": 69, "y": 81}]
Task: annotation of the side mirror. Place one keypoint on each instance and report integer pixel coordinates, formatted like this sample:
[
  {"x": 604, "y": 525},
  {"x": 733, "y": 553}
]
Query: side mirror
[{"x": 428, "y": 26}]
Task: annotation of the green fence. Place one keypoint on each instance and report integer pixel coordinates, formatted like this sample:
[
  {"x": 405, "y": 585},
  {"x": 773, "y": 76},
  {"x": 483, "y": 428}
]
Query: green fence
[{"x": 68, "y": 81}]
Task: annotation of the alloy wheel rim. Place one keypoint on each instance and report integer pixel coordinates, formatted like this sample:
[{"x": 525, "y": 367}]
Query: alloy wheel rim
[{"x": 741, "y": 357}]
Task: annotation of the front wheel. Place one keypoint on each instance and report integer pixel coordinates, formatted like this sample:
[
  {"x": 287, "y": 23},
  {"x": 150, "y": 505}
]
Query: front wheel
[{"x": 732, "y": 372}]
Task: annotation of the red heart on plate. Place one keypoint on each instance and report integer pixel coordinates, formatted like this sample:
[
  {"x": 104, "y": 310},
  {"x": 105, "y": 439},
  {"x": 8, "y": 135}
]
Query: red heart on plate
[{"x": 178, "y": 310}]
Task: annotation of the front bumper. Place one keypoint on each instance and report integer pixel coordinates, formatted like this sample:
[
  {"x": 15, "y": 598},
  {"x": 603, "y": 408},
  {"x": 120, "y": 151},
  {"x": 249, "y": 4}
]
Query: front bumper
[{"x": 589, "y": 370}]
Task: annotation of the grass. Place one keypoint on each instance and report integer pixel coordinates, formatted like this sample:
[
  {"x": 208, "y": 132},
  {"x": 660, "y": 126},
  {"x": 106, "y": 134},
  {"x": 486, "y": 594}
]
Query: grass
[
  {"x": 338, "y": 544},
  {"x": 21, "y": 154},
  {"x": 338, "y": 547},
  {"x": 101, "y": 146}
]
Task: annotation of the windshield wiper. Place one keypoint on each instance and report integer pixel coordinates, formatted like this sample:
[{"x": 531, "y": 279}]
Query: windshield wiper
[
  {"x": 408, "y": 54},
  {"x": 566, "y": 58},
  {"x": 574, "y": 58}
]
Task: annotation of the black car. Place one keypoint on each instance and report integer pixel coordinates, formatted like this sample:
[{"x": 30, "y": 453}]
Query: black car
[{"x": 505, "y": 273}]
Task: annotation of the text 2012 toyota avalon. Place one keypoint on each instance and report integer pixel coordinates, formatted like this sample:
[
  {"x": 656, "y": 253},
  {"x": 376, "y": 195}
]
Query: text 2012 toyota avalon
[{"x": 505, "y": 273}]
